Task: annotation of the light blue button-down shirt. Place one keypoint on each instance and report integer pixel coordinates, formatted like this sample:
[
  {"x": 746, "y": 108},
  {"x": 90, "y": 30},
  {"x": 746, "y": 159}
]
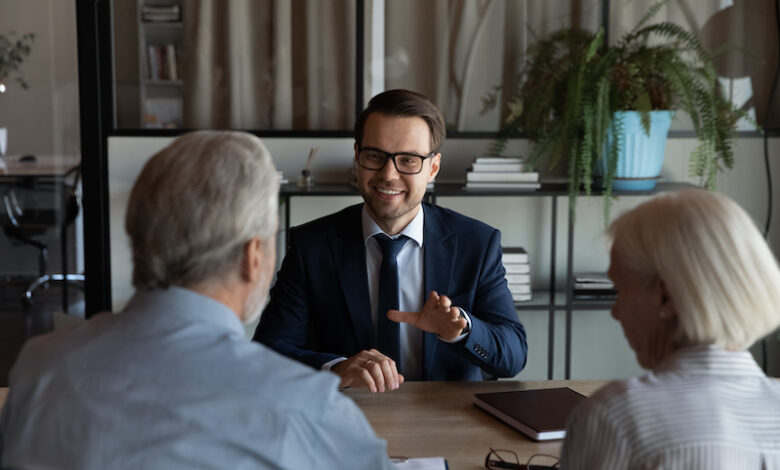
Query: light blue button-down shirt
[{"x": 173, "y": 383}]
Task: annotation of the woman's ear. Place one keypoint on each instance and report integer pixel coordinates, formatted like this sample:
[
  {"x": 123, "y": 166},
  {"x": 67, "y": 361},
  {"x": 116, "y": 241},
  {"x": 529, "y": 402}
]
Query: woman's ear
[{"x": 667, "y": 305}]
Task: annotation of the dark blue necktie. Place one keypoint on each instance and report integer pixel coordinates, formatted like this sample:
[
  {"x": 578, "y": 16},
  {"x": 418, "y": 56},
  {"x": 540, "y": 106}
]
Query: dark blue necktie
[{"x": 388, "y": 342}]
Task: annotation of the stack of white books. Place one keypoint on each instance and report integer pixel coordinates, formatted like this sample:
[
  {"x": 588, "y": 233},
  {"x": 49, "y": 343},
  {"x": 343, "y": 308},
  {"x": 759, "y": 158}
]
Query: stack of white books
[
  {"x": 594, "y": 286},
  {"x": 518, "y": 273},
  {"x": 501, "y": 173}
]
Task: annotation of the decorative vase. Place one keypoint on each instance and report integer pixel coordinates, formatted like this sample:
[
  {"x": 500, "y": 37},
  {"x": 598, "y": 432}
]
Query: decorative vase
[{"x": 641, "y": 156}]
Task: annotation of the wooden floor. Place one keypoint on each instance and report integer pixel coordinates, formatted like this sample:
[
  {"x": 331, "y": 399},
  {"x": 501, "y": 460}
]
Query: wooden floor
[{"x": 18, "y": 322}]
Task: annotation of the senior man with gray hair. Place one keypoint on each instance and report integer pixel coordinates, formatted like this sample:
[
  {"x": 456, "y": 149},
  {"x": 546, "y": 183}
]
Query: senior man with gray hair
[{"x": 172, "y": 382}]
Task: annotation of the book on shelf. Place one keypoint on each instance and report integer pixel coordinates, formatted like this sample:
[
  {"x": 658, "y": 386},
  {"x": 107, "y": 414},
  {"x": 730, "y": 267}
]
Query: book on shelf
[
  {"x": 502, "y": 177},
  {"x": 539, "y": 414},
  {"x": 519, "y": 288},
  {"x": 499, "y": 186},
  {"x": 594, "y": 294},
  {"x": 593, "y": 286},
  {"x": 170, "y": 55},
  {"x": 517, "y": 278},
  {"x": 495, "y": 167},
  {"x": 513, "y": 255},
  {"x": 521, "y": 297},
  {"x": 516, "y": 268},
  {"x": 592, "y": 281},
  {"x": 499, "y": 160},
  {"x": 159, "y": 13}
]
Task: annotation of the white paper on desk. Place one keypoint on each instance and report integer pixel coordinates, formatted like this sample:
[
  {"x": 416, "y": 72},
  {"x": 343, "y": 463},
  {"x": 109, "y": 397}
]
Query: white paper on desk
[{"x": 426, "y": 463}]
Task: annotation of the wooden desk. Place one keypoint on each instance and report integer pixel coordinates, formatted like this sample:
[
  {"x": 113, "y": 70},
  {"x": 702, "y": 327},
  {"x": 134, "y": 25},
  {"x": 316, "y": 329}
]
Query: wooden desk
[{"x": 438, "y": 419}]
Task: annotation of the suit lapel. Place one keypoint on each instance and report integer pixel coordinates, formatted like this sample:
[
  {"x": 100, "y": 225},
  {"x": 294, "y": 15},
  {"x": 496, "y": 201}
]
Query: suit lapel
[
  {"x": 440, "y": 246},
  {"x": 349, "y": 259}
]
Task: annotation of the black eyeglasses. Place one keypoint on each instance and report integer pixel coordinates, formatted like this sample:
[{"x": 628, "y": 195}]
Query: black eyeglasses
[
  {"x": 372, "y": 158},
  {"x": 502, "y": 458}
]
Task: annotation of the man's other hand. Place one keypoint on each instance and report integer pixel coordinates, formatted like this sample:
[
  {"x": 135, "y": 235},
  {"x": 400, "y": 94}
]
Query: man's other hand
[
  {"x": 438, "y": 316},
  {"x": 370, "y": 369}
]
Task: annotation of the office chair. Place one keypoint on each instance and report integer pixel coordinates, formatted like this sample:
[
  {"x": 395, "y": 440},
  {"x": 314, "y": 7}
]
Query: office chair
[{"x": 31, "y": 227}]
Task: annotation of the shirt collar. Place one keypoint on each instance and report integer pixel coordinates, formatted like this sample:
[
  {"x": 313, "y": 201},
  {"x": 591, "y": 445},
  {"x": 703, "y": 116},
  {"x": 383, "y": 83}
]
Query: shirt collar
[
  {"x": 413, "y": 229},
  {"x": 187, "y": 304},
  {"x": 710, "y": 360}
]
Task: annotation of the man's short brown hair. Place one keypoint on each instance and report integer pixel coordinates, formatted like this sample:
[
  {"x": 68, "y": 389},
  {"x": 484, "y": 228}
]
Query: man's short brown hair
[{"x": 405, "y": 103}]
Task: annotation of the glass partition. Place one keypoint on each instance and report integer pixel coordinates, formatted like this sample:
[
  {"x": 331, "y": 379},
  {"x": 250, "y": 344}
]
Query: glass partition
[
  {"x": 279, "y": 65},
  {"x": 41, "y": 236},
  {"x": 264, "y": 64}
]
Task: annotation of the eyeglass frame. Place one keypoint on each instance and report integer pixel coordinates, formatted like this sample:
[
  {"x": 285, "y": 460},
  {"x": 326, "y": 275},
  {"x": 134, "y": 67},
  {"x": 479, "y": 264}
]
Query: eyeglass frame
[
  {"x": 501, "y": 463},
  {"x": 391, "y": 156}
]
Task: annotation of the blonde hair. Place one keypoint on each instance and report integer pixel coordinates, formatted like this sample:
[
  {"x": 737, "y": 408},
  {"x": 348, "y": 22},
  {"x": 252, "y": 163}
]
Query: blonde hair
[
  {"x": 721, "y": 276},
  {"x": 196, "y": 204}
]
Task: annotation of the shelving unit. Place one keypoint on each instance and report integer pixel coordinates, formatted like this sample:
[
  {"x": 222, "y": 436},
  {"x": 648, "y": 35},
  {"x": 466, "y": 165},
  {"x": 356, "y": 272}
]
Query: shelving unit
[
  {"x": 550, "y": 299},
  {"x": 159, "y": 46}
]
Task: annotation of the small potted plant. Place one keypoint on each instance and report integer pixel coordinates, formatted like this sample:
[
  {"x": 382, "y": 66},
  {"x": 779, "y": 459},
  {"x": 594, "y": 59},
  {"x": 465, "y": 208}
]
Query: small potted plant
[
  {"x": 13, "y": 51},
  {"x": 594, "y": 106}
]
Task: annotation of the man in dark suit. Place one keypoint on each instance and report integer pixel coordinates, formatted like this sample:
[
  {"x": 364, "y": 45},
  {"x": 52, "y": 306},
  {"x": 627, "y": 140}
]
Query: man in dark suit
[{"x": 394, "y": 289}]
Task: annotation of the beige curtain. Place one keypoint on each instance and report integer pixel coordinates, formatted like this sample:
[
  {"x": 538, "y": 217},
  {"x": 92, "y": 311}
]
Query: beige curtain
[
  {"x": 456, "y": 51},
  {"x": 268, "y": 64}
]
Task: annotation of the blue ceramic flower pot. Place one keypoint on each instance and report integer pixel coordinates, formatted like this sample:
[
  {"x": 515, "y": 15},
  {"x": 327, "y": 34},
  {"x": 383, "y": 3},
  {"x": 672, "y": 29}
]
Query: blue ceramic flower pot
[{"x": 641, "y": 156}]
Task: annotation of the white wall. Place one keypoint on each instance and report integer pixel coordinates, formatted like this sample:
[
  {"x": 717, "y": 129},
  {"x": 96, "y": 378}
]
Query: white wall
[{"x": 598, "y": 343}]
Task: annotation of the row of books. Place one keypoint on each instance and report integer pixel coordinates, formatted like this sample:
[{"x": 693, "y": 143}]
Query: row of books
[
  {"x": 158, "y": 13},
  {"x": 501, "y": 173},
  {"x": 518, "y": 273},
  {"x": 162, "y": 62}
]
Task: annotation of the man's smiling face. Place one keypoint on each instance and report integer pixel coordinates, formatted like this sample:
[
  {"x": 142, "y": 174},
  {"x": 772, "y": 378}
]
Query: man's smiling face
[{"x": 393, "y": 199}]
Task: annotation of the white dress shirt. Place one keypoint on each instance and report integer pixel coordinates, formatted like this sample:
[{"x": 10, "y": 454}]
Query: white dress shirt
[
  {"x": 410, "y": 281},
  {"x": 701, "y": 408}
]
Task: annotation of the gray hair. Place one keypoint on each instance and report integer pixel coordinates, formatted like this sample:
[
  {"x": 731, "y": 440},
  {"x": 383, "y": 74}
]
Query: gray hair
[
  {"x": 196, "y": 204},
  {"x": 721, "y": 276}
]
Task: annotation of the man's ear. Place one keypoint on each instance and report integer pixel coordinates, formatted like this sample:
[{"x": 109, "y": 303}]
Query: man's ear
[
  {"x": 435, "y": 165},
  {"x": 251, "y": 264},
  {"x": 356, "y": 150}
]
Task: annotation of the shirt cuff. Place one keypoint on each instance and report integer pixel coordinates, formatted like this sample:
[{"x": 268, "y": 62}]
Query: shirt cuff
[
  {"x": 329, "y": 365},
  {"x": 460, "y": 337}
]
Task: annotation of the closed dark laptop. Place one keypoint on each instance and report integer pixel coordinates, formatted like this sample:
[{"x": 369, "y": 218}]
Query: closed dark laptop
[{"x": 540, "y": 414}]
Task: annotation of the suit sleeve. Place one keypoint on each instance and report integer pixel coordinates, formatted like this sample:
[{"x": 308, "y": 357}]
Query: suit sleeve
[
  {"x": 497, "y": 340},
  {"x": 284, "y": 325}
]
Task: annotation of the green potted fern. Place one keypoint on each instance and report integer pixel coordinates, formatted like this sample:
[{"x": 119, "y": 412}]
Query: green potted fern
[{"x": 593, "y": 106}]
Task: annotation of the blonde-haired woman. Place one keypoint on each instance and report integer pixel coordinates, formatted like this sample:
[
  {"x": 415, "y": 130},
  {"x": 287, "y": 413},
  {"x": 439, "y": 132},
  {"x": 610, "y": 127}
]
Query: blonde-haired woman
[{"x": 697, "y": 285}]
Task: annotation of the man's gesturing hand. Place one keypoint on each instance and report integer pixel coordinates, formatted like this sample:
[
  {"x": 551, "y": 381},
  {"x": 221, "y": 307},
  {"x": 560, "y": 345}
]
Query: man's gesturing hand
[
  {"x": 370, "y": 369},
  {"x": 438, "y": 316}
]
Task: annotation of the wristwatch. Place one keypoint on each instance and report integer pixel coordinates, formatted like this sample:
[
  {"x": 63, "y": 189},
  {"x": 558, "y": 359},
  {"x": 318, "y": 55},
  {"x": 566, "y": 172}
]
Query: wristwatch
[{"x": 467, "y": 328}]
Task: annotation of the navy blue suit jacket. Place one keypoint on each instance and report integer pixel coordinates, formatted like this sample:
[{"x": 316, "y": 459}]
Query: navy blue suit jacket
[{"x": 319, "y": 308}]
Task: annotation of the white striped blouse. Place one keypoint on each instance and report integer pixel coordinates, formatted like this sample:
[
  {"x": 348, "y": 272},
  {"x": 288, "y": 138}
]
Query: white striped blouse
[{"x": 701, "y": 408}]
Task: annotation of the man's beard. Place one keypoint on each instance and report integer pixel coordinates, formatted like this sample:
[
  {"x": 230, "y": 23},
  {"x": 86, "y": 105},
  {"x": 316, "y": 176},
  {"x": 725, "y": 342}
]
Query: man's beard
[{"x": 255, "y": 303}]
